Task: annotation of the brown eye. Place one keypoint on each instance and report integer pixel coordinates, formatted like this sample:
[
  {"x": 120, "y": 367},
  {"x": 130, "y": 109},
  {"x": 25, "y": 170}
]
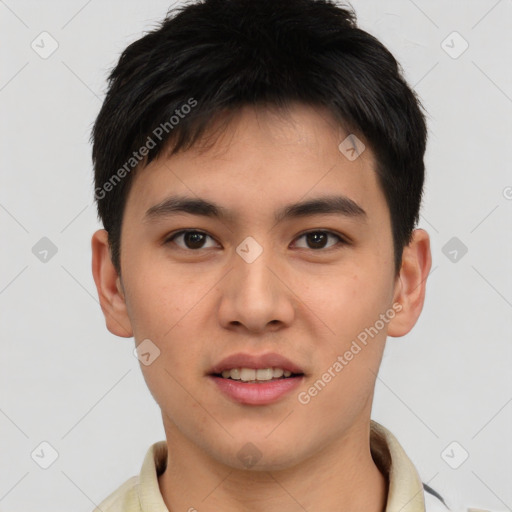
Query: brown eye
[
  {"x": 318, "y": 239},
  {"x": 189, "y": 239}
]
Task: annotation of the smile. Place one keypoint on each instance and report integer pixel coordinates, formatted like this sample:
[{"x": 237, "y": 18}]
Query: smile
[{"x": 255, "y": 374}]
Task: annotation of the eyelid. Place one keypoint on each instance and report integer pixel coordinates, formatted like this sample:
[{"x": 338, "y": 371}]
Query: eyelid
[
  {"x": 327, "y": 231},
  {"x": 170, "y": 238},
  {"x": 342, "y": 240}
]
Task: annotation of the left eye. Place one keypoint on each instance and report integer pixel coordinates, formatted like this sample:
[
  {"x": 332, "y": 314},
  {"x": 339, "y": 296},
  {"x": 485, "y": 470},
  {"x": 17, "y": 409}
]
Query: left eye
[
  {"x": 318, "y": 239},
  {"x": 195, "y": 239}
]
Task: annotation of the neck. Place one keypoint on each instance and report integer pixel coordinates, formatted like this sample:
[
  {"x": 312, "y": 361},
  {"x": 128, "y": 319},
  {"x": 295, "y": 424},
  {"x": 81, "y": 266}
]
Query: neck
[{"x": 342, "y": 477}]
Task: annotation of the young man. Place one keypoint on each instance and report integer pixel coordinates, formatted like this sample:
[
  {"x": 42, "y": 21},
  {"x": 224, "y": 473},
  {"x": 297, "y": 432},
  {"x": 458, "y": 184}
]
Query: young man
[{"x": 259, "y": 173}]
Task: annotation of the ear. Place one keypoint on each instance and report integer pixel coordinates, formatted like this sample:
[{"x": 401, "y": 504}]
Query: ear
[
  {"x": 411, "y": 283},
  {"x": 109, "y": 286}
]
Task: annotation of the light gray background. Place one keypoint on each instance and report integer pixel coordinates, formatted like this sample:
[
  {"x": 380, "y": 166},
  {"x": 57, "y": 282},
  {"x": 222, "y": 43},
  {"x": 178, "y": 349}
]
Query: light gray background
[{"x": 66, "y": 380}]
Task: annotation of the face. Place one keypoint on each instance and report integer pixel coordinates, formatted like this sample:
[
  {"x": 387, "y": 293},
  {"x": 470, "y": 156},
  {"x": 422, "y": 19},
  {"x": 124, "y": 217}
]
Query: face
[{"x": 308, "y": 288}]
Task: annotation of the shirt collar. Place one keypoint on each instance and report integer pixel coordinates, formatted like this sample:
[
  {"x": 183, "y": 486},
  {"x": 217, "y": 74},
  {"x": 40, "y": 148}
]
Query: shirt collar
[
  {"x": 148, "y": 489},
  {"x": 405, "y": 489}
]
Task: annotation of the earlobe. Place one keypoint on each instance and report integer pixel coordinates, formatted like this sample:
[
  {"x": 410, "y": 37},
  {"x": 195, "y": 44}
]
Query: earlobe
[
  {"x": 411, "y": 283},
  {"x": 109, "y": 287}
]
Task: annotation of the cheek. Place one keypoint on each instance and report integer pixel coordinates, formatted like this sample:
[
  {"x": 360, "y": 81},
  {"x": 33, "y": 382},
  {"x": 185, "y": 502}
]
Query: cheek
[
  {"x": 158, "y": 299},
  {"x": 347, "y": 300},
  {"x": 165, "y": 306},
  {"x": 350, "y": 306},
  {"x": 162, "y": 313}
]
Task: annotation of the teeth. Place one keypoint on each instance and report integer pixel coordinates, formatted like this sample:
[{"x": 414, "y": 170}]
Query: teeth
[
  {"x": 278, "y": 372},
  {"x": 253, "y": 375},
  {"x": 264, "y": 374},
  {"x": 247, "y": 374},
  {"x": 234, "y": 373}
]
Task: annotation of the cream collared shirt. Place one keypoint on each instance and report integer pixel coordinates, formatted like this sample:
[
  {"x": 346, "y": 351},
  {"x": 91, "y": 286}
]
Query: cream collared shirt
[{"x": 405, "y": 492}]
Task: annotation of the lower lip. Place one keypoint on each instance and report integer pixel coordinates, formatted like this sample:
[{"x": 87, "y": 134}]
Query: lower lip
[{"x": 257, "y": 394}]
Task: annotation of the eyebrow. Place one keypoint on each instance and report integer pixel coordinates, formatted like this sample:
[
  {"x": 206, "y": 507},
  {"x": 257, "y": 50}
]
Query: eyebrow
[{"x": 341, "y": 205}]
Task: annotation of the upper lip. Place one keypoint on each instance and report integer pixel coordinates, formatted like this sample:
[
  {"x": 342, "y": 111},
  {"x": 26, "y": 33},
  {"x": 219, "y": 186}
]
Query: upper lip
[{"x": 244, "y": 360}]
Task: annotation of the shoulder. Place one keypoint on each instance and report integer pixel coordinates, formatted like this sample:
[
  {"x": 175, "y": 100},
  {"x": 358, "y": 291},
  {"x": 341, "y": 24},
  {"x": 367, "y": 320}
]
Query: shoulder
[
  {"x": 140, "y": 493},
  {"x": 123, "y": 499}
]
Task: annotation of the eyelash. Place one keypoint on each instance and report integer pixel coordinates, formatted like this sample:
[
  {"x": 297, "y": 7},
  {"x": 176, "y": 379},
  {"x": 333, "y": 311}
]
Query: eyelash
[{"x": 341, "y": 241}]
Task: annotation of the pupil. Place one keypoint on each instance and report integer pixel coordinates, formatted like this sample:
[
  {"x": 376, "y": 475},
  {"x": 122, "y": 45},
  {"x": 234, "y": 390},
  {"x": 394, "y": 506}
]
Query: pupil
[
  {"x": 194, "y": 240},
  {"x": 317, "y": 239}
]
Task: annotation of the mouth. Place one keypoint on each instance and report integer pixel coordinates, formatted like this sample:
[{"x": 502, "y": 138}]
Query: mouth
[
  {"x": 253, "y": 368},
  {"x": 256, "y": 379}
]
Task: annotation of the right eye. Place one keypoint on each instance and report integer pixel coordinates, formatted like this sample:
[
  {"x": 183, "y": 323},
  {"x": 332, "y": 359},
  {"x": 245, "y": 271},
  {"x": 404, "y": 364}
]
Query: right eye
[{"x": 190, "y": 239}]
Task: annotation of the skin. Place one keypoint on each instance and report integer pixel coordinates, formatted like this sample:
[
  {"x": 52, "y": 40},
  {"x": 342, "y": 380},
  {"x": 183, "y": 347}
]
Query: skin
[{"x": 306, "y": 303}]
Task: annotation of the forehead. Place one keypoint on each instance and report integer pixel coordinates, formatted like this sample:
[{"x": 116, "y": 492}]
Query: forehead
[{"x": 261, "y": 159}]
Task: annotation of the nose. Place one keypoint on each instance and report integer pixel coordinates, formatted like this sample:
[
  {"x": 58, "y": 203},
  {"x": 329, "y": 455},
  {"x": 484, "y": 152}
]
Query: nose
[{"x": 255, "y": 297}]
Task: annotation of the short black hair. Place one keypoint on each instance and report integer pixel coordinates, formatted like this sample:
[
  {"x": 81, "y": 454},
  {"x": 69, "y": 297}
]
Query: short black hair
[{"x": 213, "y": 57}]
